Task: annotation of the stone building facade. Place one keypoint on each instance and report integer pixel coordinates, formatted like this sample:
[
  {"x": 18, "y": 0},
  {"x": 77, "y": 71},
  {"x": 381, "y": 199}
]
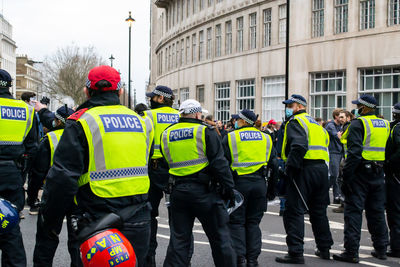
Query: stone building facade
[
  {"x": 28, "y": 77},
  {"x": 230, "y": 54},
  {"x": 7, "y": 50}
]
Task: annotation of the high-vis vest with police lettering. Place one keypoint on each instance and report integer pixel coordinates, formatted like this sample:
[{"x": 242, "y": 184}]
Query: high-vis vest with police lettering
[
  {"x": 250, "y": 150},
  {"x": 16, "y": 118},
  {"x": 376, "y": 133},
  {"x": 184, "y": 148},
  {"x": 318, "y": 138},
  {"x": 161, "y": 119},
  {"x": 119, "y": 145},
  {"x": 54, "y": 138}
]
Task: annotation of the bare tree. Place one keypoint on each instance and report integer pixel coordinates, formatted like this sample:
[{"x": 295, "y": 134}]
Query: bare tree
[{"x": 65, "y": 72}]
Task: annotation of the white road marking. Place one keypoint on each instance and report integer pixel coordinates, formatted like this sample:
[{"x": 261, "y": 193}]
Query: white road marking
[{"x": 306, "y": 239}]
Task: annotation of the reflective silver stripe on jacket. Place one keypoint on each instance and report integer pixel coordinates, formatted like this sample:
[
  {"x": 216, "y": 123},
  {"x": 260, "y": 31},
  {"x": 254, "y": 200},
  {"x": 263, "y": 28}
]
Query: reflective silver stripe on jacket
[
  {"x": 304, "y": 124},
  {"x": 150, "y": 116},
  {"x": 149, "y": 128},
  {"x": 202, "y": 158},
  {"x": 367, "y": 146},
  {"x": 235, "y": 152},
  {"x": 269, "y": 144},
  {"x": 246, "y": 164},
  {"x": 28, "y": 123},
  {"x": 118, "y": 173},
  {"x": 54, "y": 140}
]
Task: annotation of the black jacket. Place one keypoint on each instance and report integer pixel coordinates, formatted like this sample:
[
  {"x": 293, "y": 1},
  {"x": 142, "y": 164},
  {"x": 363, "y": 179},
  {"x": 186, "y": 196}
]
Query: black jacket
[
  {"x": 354, "y": 148},
  {"x": 29, "y": 145},
  {"x": 218, "y": 167},
  {"x": 70, "y": 162},
  {"x": 297, "y": 143},
  {"x": 392, "y": 151},
  {"x": 46, "y": 118}
]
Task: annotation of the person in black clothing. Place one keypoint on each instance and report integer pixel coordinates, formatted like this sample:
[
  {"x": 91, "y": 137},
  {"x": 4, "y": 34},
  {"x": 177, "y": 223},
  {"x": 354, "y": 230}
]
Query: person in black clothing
[
  {"x": 363, "y": 181},
  {"x": 392, "y": 177},
  {"x": 45, "y": 115},
  {"x": 193, "y": 197},
  {"x": 11, "y": 181},
  {"x": 71, "y": 161},
  {"x": 221, "y": 129},
  {"x": 308, "y": 185},
  {"x": 250, "y": 181}
]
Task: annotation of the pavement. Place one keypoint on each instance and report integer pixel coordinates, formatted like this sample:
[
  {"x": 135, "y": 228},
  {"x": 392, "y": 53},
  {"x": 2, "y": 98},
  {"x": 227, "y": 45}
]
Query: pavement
[{"x": 273, "y": 241}]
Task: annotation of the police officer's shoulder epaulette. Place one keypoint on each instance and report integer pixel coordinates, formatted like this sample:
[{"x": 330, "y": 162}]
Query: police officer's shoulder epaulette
[{"x": 77, "y": 114}]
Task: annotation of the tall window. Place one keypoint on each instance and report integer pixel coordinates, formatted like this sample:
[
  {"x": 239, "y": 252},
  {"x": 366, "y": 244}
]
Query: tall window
[
  {"x": 267, "y": 27},
  {"x": 328, "y": 91},
  {"x": 394, "y": 12},
  {"x": 182, "y": 52},
  {"x": 178, "y": 60},
  {"x": 245, "y": 95},
  {"x": 173, "y": 57},
  {"x": 341, "y": 16},
  {"x": 282, "y": 23},
  {"x": 183, "y": 9},
  {"x": 209, "y": 43},
  {"x": 188, "y": 8},
  {"x": 318, "y": 18},
  {"x": 193, "y": 48},
  {"x": 384, "y": 85},
  {"x": 195, "y": 5},
  {"x": 218, "y": 40},
  {"x": 222, "y": 101},
  {"x": 253, "y": 30},
  {"x": 184, "y": 94},
  {"x": 200, "y": 93},
  {"x": 201, "y": 45},
  {"x": 178, "y": 11},
  {"x": 210, "y": 2},
  {"x": 367, "y": 14},
  {"x": 169, "y": 58},
  {"x": 202, "y": 4},
  {"x": 166, "y": 59},
  {"x": 187, "y": 50},
  {"x": 273, "y": 95},
  {"x": 228, "y": 37},
  {"x": 239, "y": 35}
]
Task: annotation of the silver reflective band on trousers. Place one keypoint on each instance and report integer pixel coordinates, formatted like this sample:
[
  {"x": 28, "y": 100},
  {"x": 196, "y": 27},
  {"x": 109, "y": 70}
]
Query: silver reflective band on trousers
[
  {"x": 235, "y": 152},
  {"x": 202, "y": 158},
  {"x": 367, "y": 146}
]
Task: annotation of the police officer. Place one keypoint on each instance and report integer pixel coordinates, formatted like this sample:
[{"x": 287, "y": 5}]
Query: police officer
[
  {"x": 249, "y": 152},
  {"x": 363, "y": 181},
  {"x": 17, "y": 137},
  {"x": 161, "y": 115},
  {"x": 45, "y": 247},
  {"x": 392, "y": 175},
  {"x": 102, "y": 160},
  {"x": 305, "y": 151},
  {"x": 196, "y": 160}
]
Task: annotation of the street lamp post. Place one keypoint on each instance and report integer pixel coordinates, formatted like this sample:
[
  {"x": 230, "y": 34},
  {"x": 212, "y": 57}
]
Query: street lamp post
[
  {"x": 130, "y": 21},
  {"x": 111, "y": 60}
]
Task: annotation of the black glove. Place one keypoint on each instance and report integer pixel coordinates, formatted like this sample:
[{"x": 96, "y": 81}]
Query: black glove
[{"x": 228, "y": 195}]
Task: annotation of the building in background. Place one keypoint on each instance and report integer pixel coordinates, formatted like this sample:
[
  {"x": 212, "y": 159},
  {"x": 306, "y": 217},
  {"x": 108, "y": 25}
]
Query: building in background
[
  {"x": 7, "y": 50},
  {"x": 230, "y": 54},
  {"x": 29, "y": 78}
]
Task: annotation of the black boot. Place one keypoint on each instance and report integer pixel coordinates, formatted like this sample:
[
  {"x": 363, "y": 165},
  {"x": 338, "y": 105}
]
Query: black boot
[
  {"x": 241, "y": 262},
  {"x": 252, "y": 263},
  {"x": 323, "y": 254},
  {"x": 393, "y": 253},
  {"x": 379, "y": 254},
  {"x": 346, "y": 257},
  {"x": 150, "y": 261},
  {"x": 290, "y": 259}
]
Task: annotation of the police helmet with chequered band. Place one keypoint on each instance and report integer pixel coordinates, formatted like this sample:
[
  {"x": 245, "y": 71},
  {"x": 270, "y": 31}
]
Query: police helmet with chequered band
[
  {"x": 296, "y": 99},
  {"x": 63, "y": 113},
  {"x": 190, "y": 106},
  {"x": 161, "y": 90},
  {"x": 366, "y": 100},
  {"x": 396, "y": 108},
  {"x": 5, "y": 79},
  {"x": 9, "y": 216},
  {"x": 248, "y": 116}
]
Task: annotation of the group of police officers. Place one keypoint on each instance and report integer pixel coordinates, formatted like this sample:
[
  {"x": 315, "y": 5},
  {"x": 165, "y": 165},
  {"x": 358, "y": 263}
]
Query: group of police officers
[{"x": 105, "y": 158}]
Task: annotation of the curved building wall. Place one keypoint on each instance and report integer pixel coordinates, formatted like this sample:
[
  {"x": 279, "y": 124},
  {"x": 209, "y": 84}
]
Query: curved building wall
[{"x": 230, "y": 54}]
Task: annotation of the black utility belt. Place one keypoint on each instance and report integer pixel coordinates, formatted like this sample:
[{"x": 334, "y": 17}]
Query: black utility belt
[
  {"x": 176, "y": 180},
  {"x": 313, "y": 161}
]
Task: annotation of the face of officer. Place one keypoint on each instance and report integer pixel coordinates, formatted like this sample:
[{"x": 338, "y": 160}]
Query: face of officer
[
  {"x": 296, "y": 107},
  {"x": 363, "y": 109}
]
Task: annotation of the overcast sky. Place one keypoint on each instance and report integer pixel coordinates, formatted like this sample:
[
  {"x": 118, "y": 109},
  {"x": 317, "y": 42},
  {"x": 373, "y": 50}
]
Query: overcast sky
[{"x": 42, "y": 26}]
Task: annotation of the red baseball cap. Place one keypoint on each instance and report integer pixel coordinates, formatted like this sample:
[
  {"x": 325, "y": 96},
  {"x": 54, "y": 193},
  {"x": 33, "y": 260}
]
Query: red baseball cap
[
  {"x": 104, "y": 73},
  {"x": 273, "y": 122}
]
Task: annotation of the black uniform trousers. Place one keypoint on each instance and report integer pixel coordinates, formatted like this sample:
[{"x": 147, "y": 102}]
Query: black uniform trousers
[
  {"x": 158, "y": 174},
  {"x": 393, "y": 211},
  {"x": 244, "y": 222},
  {"x": 46, "y": 246},
  {"x": 193, "y": 200},
  {"x": 11, "y": 244},
  {"x": 313, "y": 183},
  {"x": 368, "y": 192}
]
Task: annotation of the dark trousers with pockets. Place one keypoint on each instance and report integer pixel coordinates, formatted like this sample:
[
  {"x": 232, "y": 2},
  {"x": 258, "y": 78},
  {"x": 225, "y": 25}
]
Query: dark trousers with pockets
[
  {"x": 368, "y": 188},
  {"x": 313, "y": 183},
  {"x": 188, "y": 202},
  {"x": 393, "y": 211},
  {"x": 244, "y": 222},
  {"x": 11, "y": 244}
]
